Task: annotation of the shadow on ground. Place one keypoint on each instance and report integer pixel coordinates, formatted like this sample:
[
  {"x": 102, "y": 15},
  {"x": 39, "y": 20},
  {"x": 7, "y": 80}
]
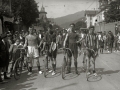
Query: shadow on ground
[
  {"x": 62, "y": 87},
  {"x": 23, "y": 83}
]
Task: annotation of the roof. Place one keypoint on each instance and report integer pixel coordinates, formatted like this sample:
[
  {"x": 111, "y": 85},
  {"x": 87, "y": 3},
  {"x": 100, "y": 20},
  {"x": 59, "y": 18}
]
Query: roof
[{"x": 91, "y": 12}]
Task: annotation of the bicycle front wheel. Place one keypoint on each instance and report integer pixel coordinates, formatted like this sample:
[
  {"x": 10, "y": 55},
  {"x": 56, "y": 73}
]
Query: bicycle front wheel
[
  {"x": 45, "y": 66},
  {"x": 17, "y": 69},
  {"x": 63, "y": 68}
]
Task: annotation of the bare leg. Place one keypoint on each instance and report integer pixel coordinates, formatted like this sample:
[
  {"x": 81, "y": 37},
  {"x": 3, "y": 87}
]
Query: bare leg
[
  {"x": 30, "y": 63},
  {"x": 69, "y": 65},
  {"x": 38, "y": 63},
  {"x": 88, "y": 65}
]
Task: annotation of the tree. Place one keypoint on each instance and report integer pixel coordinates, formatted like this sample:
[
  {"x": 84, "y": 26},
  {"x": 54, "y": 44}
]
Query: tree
[
  {"x": 80, "y": 24},
  {"x": 26, "y": 9},
  {"x": 113, "y": 12},
  {"x": 5, "y": 9}
]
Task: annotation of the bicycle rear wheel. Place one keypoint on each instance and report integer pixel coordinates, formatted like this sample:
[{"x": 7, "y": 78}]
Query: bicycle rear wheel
[
  {"x": 63, "y": 68},
  {"x": 45, "y": 67},
  {"x": 93, "y": 78},
  {"x": 17, "y": 69},
  {"x": 27, "y": 66}
]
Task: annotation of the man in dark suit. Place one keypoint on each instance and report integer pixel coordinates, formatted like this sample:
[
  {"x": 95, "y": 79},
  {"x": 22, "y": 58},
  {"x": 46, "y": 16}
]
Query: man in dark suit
[{"x": 5, "y": 53}]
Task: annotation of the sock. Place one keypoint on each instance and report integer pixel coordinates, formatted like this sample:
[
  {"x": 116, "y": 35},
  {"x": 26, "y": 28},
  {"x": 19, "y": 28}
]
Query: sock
[
  {"x": 93, "y": 71},
  {"x": 38, "y": 68},
  {"x": 30, "y": 69},
  {"x": 54, "y": 67},
  {"x": 0, "y": 78},
  {"x": 5, "y": 74},
  {"x": 75, "y": 63}
]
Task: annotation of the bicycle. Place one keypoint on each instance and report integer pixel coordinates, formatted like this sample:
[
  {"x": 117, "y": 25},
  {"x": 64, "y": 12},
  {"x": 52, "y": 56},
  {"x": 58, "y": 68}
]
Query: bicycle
[
  {"x": 67, "y": 54},
  {"x": 18, "y": 65},
  {"x": 46, "y": 61},
  {"x": 88, "y": 54}
]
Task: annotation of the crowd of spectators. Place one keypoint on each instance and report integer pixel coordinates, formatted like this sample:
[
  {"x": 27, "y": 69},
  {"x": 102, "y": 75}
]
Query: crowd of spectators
[{"x": 105, "y": 41}]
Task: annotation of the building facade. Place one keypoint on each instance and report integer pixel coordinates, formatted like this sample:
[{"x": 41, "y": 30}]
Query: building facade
[
  {"x": 103, "y": 7},
  {"x": 90, "y": 14}
]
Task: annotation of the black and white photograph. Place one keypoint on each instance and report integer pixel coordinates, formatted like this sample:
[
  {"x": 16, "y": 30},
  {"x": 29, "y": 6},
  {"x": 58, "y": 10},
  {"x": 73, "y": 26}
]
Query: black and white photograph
[{"x": 59, "y": 44}]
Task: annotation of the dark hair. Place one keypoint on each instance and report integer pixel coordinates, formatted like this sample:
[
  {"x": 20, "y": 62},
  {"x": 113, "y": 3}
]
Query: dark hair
[
  {"x": 50, "y": 26},
  {"x": 72, "y": 24},
  {"x": 17, "y": 39}
]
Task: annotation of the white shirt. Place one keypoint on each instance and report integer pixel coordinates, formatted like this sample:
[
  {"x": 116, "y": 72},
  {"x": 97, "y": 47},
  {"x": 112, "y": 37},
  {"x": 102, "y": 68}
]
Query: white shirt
[
  {"x": 99, "y": 37},
  {"x": 40, "y": 36}
]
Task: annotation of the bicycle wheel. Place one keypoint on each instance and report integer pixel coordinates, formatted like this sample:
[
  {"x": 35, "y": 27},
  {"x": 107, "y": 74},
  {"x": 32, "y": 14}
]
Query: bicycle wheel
[
  {"x": 17, "y": 69},
  {"x": 26, "y": 64},
  {"x": 63, "y": 68},
  {"x": 45, "y": 67},
  {"x": 85, "y": 68},
  {"x": 93, "y": 78}
]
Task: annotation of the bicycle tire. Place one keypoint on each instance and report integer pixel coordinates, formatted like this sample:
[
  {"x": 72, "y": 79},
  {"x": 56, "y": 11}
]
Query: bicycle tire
[
  {"x": 27, "y": 66},
  {"x": 17, "y": 69},
  {"x": 45, "y": 65},
  {"x": 85, "y": 68},
  {"x": 93, "y": 78},
  {"x": 63, "y": 68},
  {"x": 63, "y": 72}
]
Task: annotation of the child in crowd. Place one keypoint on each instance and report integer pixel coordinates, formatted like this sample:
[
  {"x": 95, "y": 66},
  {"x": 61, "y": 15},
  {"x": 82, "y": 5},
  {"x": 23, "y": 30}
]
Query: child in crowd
[
  {"x": 101, "y": 43},
  {"x": 13, "y": 53}
]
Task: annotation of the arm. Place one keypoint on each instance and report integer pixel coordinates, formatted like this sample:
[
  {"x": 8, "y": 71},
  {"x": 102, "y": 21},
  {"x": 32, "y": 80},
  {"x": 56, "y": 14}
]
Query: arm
[
  {"x": 66, "y": 37},
  {"x": 44, "y": 44},
  {"x": 11, "y": 49},
  {"x": 26, "y": 42}
]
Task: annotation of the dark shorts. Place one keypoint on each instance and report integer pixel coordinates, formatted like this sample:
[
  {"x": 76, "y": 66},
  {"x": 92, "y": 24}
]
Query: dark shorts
[
  {"x": 52, "y": 54},
  {"x": 74, "y": 49}
]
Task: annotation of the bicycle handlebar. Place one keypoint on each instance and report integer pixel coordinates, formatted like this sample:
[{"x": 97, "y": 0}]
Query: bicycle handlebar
[
  {"x": 66, "y": 49},
  {"x": 21, "y": 48}
]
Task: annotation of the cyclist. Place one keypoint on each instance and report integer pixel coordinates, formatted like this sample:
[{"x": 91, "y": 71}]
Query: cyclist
[
  {"x": 50, "y": 43},
  {"x": 92, "y": 45},
  {"x": 72, "y": 39},
  {"x": 31, "y": 42}
]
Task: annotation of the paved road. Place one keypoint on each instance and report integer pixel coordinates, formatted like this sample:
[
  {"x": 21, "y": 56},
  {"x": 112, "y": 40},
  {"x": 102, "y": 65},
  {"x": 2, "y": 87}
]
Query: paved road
[{"x": 108, "y": 65}]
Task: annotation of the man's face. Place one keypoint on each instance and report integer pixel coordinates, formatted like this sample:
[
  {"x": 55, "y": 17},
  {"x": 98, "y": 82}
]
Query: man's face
[{"x": 30, "y": 30}]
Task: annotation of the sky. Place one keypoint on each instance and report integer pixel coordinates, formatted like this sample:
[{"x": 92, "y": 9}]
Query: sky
[{"x": 59, "y": 8}]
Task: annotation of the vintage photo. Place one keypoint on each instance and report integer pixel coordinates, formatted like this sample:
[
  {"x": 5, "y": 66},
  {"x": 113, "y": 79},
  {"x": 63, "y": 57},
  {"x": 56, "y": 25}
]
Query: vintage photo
[{"x": 59, "y": 44}]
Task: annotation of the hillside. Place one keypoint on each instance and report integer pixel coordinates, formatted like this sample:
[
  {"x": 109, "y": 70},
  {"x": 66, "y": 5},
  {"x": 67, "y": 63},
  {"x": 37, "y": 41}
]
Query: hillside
[
  {"x": 66, "y": 25},
  {"x": 66, "y": 20}
]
